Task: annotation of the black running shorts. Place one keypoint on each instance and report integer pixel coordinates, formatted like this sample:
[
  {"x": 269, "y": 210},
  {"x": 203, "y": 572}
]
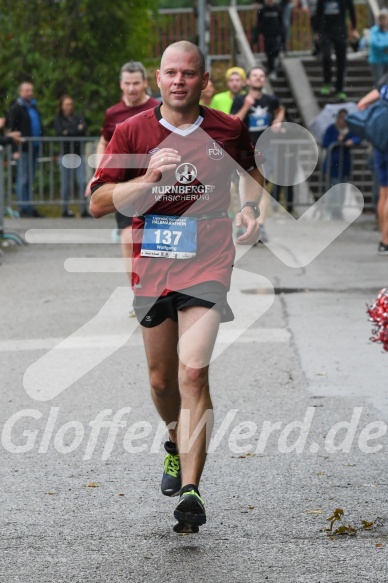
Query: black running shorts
[
  {"x": 151, "y": 312},
  {"x": 122, "y": 221}
]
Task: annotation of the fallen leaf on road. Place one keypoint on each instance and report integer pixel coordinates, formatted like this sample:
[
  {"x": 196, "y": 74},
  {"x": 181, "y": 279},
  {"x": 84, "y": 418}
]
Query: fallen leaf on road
[
  {"x": 379, "y": 545},
  {"x": 313, "y": 511},
  {"x": 51, "y": 493},
  {"x": 121, "y": 494},
  {"x": 92, "y": 485},
  {"x": 367, "y": 525},
  {"x": 345, "y": 528}
]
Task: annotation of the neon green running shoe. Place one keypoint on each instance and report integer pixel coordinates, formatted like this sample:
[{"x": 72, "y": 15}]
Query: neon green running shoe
[
  {"x": 190, "y": 512},
  {"x": 341, "y": 95},
  {"x": 325, "y": 90},
  {"x": 171, "y": 481}
]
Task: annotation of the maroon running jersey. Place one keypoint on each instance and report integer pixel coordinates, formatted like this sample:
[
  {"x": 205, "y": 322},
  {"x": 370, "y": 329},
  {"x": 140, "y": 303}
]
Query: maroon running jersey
[
  {"x": 120, "y": 112},
  {"x": 211, "y": 150}
]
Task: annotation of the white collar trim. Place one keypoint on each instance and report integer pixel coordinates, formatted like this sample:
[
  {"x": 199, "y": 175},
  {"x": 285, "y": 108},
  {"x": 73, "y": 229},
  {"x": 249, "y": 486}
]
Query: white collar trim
[{"x": 185, "y": 132}]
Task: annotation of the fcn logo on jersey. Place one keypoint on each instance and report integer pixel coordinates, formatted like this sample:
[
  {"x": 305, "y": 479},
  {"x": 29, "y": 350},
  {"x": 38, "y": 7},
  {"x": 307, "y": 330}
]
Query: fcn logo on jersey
[
  {"x": 215, "y": 150},
  {"x": 186, "y": 173}
]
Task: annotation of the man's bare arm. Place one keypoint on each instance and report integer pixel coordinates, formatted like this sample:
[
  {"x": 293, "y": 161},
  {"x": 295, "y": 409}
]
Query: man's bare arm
[
  {"x": 368, "y": 99},
  {"x": 280, "y": 114},
  {"x": 248, "y": 102},
  {"x": 111, "y": 197},
  {"x": 101, "y": 146},
  {"x": 251, "y": 187}
]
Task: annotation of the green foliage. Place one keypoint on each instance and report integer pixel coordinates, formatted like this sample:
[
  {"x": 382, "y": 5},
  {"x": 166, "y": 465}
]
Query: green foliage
[
  {"x": 189, "y": 3},
  {"x": 71, "y": 46}
]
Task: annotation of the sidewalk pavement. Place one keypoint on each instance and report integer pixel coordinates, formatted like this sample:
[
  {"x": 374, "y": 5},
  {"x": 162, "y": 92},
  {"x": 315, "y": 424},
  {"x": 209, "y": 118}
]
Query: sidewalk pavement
[{"x": 72, "y": 510}]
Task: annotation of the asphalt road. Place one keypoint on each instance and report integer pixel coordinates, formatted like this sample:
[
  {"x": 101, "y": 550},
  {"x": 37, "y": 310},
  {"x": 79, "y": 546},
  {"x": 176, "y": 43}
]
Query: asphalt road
[{"x": 81, "y": 503}]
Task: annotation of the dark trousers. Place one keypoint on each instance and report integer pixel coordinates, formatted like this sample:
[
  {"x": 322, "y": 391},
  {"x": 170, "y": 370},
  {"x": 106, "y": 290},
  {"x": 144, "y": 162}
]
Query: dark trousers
[
  {"x": 314, "y": 29},
  {"x": 271, "y": 49},
  {"x": 337, "y": 38}
]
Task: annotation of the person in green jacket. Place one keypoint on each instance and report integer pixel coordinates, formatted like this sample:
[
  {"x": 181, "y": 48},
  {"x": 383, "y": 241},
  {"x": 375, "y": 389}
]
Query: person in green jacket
[{"x": 235, "y": 80}]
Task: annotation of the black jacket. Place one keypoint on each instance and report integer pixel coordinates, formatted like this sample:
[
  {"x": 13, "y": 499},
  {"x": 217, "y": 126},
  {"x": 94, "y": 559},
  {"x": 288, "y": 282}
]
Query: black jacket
[
  {"x": 331, "y": 14},
  {"x": 70, "y": 126},
  {"x": 269, "y": 21},
  {"x": 19, "y": 120},
  {"x": 6, "y": 141}
]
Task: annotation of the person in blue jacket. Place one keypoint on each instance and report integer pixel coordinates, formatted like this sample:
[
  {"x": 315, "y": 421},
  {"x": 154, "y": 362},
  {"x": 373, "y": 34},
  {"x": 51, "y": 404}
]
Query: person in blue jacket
[
  {"x": 378, "y": 46},
  {"x": 24, "y": 117},
  {"x": 381, "y": 166},
  {"x": 338, "y": 162}
]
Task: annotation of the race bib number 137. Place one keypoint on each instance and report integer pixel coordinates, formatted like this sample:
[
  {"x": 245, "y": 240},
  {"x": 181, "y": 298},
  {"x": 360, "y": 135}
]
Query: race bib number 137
[{"x": 170, "y": 237}]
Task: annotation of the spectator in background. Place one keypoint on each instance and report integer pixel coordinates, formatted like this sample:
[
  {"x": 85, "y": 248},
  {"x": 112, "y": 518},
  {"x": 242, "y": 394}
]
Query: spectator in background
[
  {"x": 331, "y": 18},
  {"x": 134, "y": 100},
  {"x": 257, "y": 109},
  {"x": 260, "y": 111},
  {"x": 25, "y": 118},
  {"x": 381, "y": 166},
  {"x": 207, "y": 94},
  {"x": 339, "y": 163},
  {"x": 270, "y": 26},
  {"x": 235, "y": 80},
  {"x": 71, "y": 125},
  {"x": 378, "y": 46}
]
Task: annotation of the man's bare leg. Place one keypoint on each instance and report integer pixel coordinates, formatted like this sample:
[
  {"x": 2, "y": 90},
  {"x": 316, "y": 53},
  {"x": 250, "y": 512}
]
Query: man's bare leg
[
  {"x": 198, "y": 328},
  {"x": 382, "y": 213},
  {"x": 126, "y": 250},
  {"x": 160, "y": 345}
]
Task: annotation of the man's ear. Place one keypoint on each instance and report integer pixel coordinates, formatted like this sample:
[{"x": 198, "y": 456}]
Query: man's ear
[{"x": 205, "y": 80}]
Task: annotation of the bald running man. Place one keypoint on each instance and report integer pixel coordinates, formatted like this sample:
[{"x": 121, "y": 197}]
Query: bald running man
[{"x": 181, "y": 289}]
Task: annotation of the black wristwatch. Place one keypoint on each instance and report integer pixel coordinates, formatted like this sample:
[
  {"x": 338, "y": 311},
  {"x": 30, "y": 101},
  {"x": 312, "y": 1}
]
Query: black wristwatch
[{"x": 253, "y": 206}]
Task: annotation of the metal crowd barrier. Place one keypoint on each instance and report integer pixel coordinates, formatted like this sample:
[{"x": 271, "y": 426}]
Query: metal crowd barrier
[
  {"x": 5, "y": 234},
  {"x": 47, "y": 182}
]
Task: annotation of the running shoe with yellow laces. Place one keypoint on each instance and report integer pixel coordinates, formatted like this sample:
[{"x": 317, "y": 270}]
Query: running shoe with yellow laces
[
  {"x": 190, "y": 512},
  {"x": 171, "y": 481}
]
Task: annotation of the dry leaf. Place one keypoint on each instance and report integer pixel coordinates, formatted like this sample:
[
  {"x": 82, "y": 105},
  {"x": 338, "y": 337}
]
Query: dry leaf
[
  {"x": 92, "y": 485},
  {"x": 379, "y": 545},
  {"x": 345, "y": 528},
  {"x": 367, "y": 525},
  {"x": 51, "y": 493},
  {"x": 313, "y": 511},
  {"x": 121, "y": 494}
]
